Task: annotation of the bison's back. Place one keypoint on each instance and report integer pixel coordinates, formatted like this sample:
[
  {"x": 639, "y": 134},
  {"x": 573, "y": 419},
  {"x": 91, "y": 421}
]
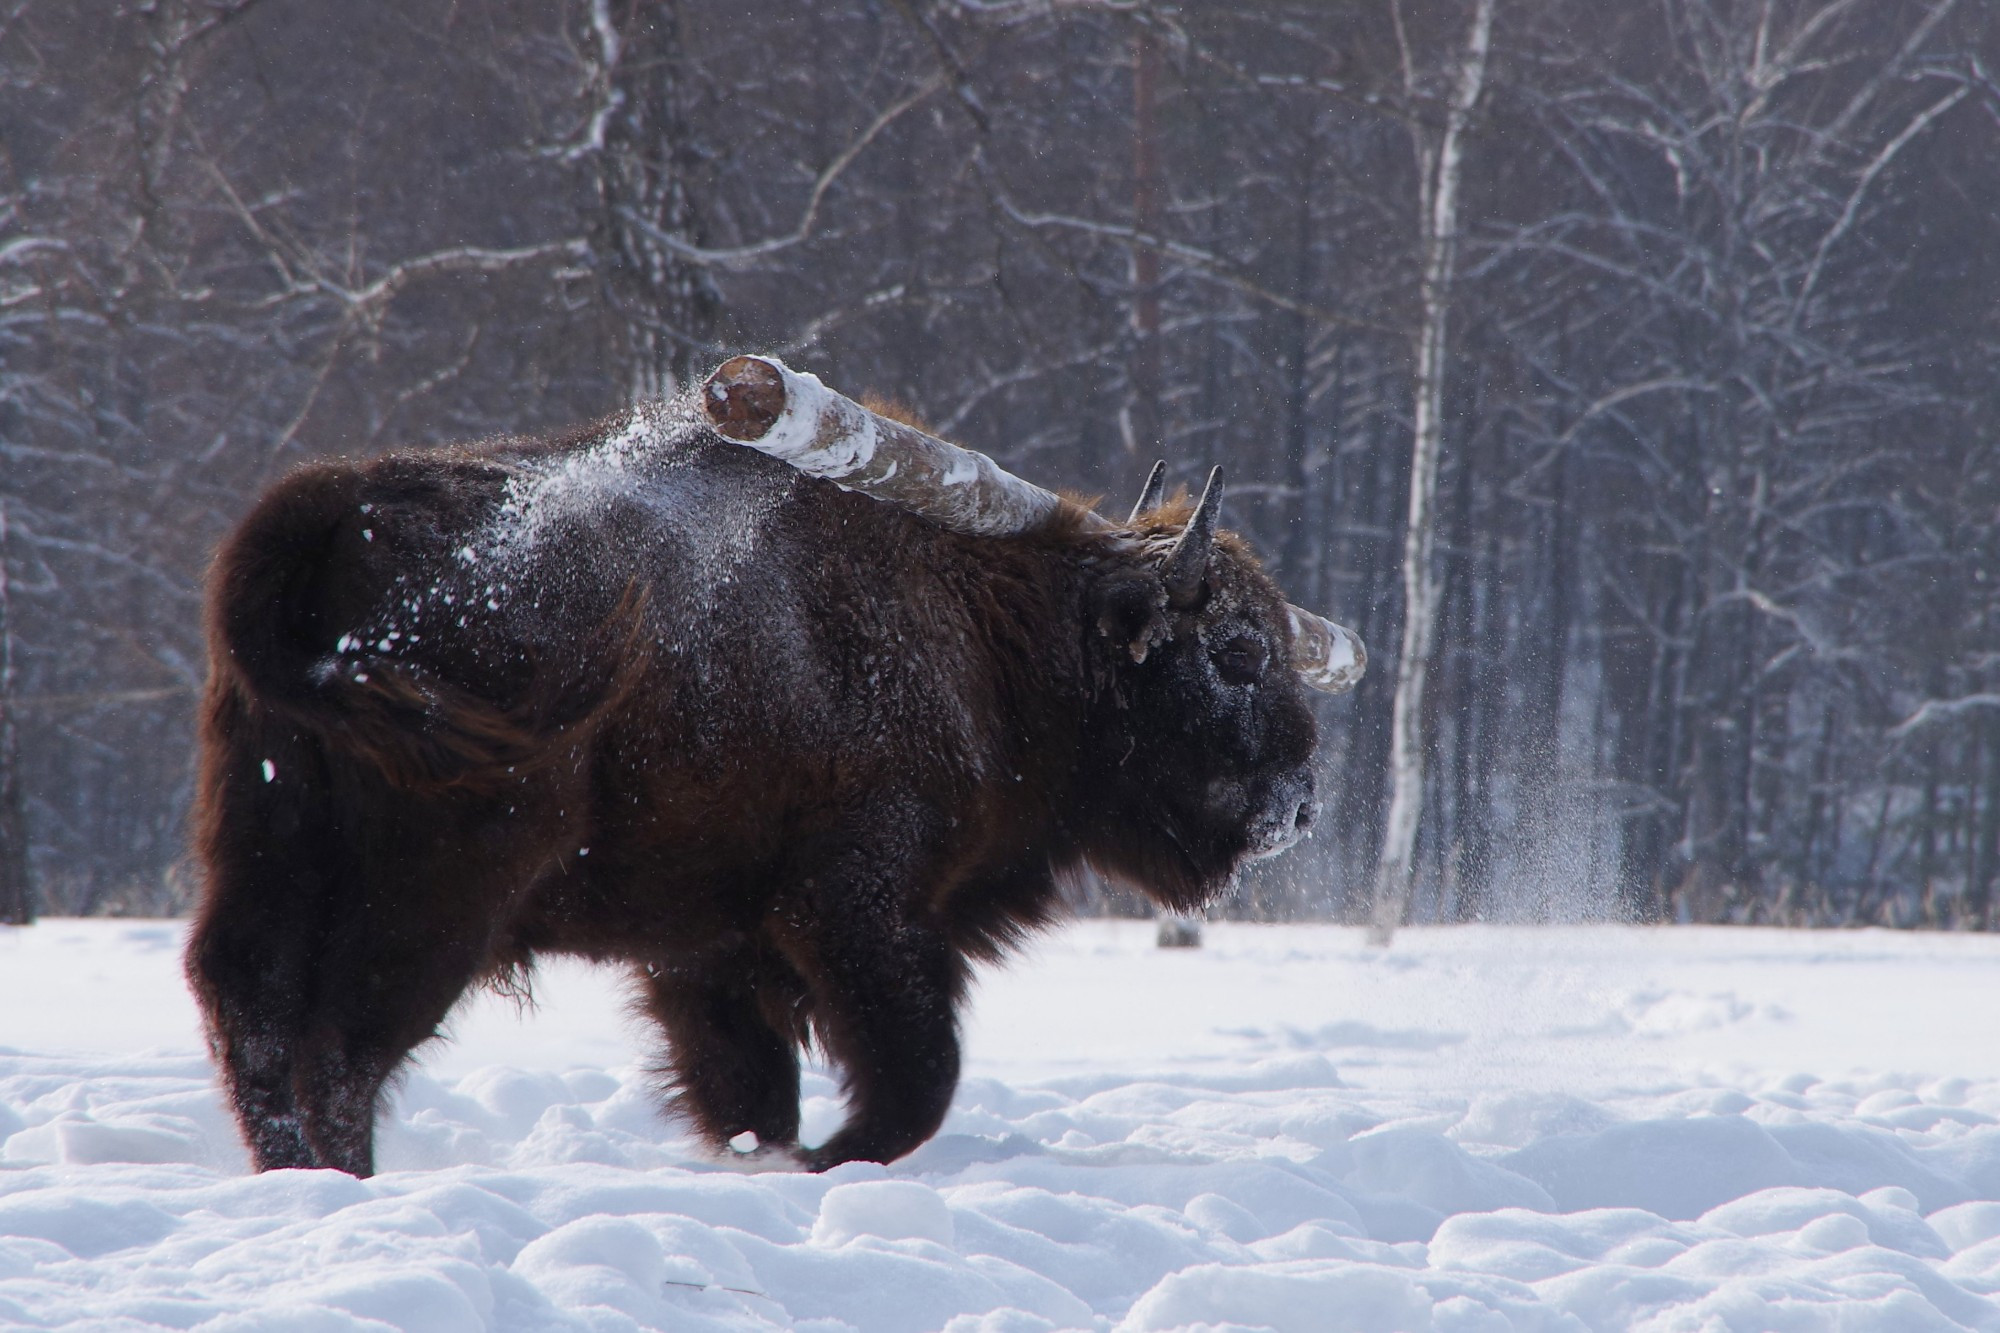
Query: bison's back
[{"x": 643, "y": 592}]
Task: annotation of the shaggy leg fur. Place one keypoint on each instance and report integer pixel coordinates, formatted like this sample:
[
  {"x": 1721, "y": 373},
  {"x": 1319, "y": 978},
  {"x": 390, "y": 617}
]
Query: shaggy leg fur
[
  {"x": 384, "y": 990},
  {"x": 733, "y": 1044},
  {"x": 321, "y": 960},
  {"x": 250, "y": 956},
  {"x": 247, "y": 969},
  {"x": 399, "y": 950},
  {"x": 306, "y": 1028},
  {"x": 886, "y": 992}
]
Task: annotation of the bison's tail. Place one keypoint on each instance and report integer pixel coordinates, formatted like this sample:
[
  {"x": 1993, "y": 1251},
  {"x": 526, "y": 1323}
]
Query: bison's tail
[
  {"x": 268, "y": 598},
  {"x": 277, "y": 593}
]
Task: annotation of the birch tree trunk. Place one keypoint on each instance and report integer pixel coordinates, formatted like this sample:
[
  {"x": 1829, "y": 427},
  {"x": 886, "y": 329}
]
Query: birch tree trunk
[{"x": 1440, "y": 166}]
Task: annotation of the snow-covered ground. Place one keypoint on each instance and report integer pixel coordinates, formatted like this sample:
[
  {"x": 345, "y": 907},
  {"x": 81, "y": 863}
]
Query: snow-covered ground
[{"x": 1478, "y": 1129}]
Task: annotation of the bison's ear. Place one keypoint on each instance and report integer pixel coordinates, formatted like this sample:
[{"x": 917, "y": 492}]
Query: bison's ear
[{"x": 1131, "y": 609}]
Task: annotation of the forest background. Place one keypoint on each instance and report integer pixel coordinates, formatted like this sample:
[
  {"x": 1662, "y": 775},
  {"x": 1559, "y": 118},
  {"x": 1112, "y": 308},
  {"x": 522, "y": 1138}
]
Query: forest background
[{"x": 1717, "y": 510}]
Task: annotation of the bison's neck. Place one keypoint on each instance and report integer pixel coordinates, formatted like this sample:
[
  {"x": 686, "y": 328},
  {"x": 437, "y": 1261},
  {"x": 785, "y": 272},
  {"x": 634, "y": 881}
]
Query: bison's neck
[{"x": 1030, "y": 611}]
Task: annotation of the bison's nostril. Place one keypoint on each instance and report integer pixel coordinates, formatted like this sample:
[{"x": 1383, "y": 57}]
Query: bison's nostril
[{"x": 1308, "y": 811}]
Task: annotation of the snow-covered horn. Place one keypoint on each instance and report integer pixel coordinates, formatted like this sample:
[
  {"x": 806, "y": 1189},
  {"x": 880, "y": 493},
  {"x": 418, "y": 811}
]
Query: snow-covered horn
[
  {"x": 761, "y": 402},
  {"x": 1188, "y": 561},
  {"x": 1153, "y": 492},
  {"x": 1331, "y": 658}
]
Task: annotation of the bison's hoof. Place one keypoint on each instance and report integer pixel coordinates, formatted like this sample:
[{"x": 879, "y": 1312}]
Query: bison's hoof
[{"x": 745, "y": 1153}]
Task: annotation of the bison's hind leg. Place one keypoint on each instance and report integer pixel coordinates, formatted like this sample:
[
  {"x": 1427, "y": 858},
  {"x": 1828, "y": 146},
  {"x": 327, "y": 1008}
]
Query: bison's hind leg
[
  {"x": 270, "y": 863},
  {"x": 415, "y": 931},
  {"x": 248, "y": 970},
  {"x": 733, "y": 1020},
  {"x": 340, "y": 926},
  {"x": 314, "y": 999}
]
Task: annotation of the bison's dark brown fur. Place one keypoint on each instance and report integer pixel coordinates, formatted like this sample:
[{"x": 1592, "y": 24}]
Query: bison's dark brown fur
[{"x": 794, "y": 757}]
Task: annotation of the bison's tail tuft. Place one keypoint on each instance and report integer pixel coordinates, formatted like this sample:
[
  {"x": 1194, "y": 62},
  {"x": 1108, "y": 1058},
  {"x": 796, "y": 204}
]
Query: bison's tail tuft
[{"x": 268, "y": 606}]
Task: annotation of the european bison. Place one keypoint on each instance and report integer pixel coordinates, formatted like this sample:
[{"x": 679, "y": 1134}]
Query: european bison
[{"x": 796, "y": 753}]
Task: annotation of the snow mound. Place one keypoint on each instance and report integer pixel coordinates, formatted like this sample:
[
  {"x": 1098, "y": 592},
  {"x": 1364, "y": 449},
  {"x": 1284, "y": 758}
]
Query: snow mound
[{"x": 1281, "y": 1131}]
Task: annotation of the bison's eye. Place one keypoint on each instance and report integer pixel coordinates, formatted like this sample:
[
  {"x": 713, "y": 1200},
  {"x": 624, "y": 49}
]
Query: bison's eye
[{"x": 1241, "y": 660}]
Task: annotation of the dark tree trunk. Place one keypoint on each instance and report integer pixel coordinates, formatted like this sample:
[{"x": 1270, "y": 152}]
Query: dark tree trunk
[
  {"x": 17, "y": 895},
  {"x": 1641, "y": 665},
  {"x": 1300, "y": 538},
  {"x": 668, "y": 304},
  {"x": 1986, "y": 836},
  {"x": 1539, "y": 753},
  {"x": 1930, "y": 815},
  {"x": 1360, "y": 799},
  {"x": 1812, "y": 860},
  {"x": 1141, "y": 422},
  {"x": 1475, "y": 864},
  {"x": 1456, "y": 698}
]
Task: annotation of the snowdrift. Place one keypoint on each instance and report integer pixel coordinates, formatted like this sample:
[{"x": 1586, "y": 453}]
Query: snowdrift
[{"x": 1479, "y": 1129}]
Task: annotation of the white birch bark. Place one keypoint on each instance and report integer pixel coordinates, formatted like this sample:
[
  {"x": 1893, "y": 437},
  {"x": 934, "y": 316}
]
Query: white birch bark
[{"x": 1441, "y": 164}]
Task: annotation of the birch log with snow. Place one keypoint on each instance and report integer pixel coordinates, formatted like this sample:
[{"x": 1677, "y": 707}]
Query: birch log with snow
[
  {"x": 761, "y": 402},
  {"x": 1441, "y": 168},
  {"x": 791, "y": 416}
]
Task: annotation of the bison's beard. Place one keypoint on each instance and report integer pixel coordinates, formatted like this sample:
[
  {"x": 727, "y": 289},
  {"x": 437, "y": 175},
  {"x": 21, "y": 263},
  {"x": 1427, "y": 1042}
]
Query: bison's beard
[
  {"x": 1184, "y": 858},
  {"x": 1159, "y": 857}
]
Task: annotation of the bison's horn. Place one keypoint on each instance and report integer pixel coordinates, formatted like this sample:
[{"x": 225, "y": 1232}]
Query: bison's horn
[
  {"x": 1150, "y": 495},
  {"x": 1331, "y": 658},
  {"x": 790, "y": 415},
  {"x": 1187, "y": 563}
]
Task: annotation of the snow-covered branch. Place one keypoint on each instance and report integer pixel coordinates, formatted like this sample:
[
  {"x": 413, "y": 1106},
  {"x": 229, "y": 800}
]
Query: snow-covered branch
[
  {"x": 802, "y": 230},
  {"x": 367, "y": 300},
  {"x": 1943, "y": 710}
]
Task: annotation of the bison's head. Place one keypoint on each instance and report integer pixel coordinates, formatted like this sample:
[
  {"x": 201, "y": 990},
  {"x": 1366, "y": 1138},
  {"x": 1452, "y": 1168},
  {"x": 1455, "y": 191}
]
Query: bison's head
[{"x": 1202, "y": 737}]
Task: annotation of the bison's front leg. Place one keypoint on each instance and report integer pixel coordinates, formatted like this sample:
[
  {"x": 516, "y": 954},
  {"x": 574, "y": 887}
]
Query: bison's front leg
[
  {"x": 733, "y": 1031},
  {"x": 886, "y": 986}
]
